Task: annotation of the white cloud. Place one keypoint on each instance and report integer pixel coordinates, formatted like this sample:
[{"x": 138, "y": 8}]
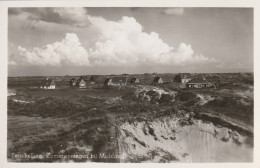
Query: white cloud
[
  {"x": 69, "y": 52},
  {"x": 125, "y": 43},
  {"x": 174, "y": 11},
  {"x": 116, "y": 43}
]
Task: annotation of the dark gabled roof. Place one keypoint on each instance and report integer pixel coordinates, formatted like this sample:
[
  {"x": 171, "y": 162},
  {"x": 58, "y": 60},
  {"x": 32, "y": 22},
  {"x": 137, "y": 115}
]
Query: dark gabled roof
[
  {"x": 107, "y": 80},
  {"x": 156, "y": 79},
  {"x": 119, "y": 79},
  {"x": 199, "y": 80},
  {"x": 185, "y": 75},
  {"x": 133, "y": 80},
  {"x": 79, "y": 80}
]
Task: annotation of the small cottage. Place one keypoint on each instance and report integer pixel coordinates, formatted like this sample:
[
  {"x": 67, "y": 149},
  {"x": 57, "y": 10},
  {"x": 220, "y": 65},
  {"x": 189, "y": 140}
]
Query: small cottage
[
  {"x": 108, "y": 81},
  {"x": 183, "y": 78},
  {"x": 199, "y": 83},
  {"x": 157, "y": 80},
  {"x": 73, "y": 82},
  {"x": 115, "y": 81},
  {"x": 48, "y": 84},
  {"x": 134, "y": 80},
  {"x": 81, "y": 83}
]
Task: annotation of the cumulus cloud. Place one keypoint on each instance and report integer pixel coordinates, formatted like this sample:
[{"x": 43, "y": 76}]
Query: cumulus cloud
[
  {"x": 69, "y": 52},
  {"x": 116, "y": 43},
  {"x": 125, "y": 43},
  {"x": 173, "y": 11}
]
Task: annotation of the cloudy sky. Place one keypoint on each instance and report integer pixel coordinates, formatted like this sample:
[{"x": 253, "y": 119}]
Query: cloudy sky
[{"x": 77, "y": 41}]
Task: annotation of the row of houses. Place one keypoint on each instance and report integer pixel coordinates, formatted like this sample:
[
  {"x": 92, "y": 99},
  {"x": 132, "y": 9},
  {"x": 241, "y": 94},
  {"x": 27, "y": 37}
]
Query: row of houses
[
  {"x": 185, "y": 80},
  {"x": 119, "y": 81},
  {"x": 113, "y": 81},
  {"x": 80, "y": 82},
  {"x": 189, "y": 81},
  {"x": 48, "y": 84}
]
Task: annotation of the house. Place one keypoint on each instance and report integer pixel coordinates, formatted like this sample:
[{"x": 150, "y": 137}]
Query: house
[
  {"x": 157, "y": 80},
  {"x": 108, "y": 81},
  {"x": 48, "y": 84},
  {"x": 73, "y": 82},
  {"x": 183, "y": 78},
  {"x": 199, "y": 83},
  {"x": 115, "y": 81},
  {"x": 134, "y": 80},
  {"x": 81, "y": 83}
]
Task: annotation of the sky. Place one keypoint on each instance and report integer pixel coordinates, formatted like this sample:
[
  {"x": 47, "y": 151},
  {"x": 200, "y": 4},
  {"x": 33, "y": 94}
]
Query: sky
[{"x": 105, "y": 40}]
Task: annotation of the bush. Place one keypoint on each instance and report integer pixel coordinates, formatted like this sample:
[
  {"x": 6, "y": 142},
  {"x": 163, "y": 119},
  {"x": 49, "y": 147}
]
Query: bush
[
  {"x": 232, "y": 108},
  {"x": 166, "y": 98},
  {"x": 185, "y": 96}
]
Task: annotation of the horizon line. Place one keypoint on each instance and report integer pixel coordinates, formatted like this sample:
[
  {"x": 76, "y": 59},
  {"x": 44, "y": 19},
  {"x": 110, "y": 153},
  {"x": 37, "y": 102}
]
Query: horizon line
[{"x": 129, "y": 74}]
